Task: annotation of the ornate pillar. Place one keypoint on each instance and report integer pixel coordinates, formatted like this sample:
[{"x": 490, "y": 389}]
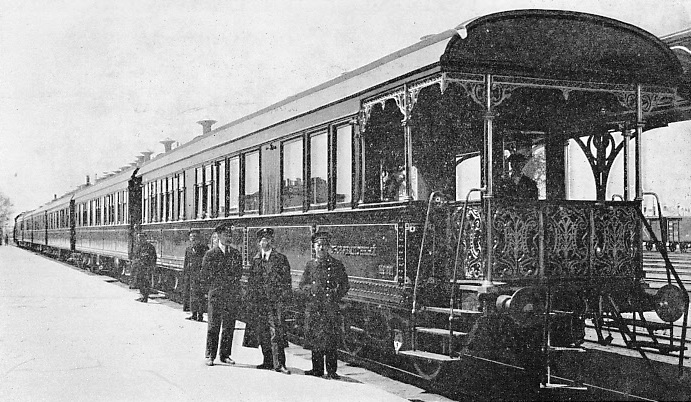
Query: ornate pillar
[
  {"x": 407, "y": 143},
  {"x": 488, "y": 172},
  {"x": 640, "y": 123},
  {"x": 626, "y": 135}
]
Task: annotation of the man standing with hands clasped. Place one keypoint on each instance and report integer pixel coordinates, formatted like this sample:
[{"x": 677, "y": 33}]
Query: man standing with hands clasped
[
  {"x": 269, "y": 290},
  {"x": 324, "y": 282},
  {"x": 222, "y": 269},
  {"x": 193, "y": 292}
]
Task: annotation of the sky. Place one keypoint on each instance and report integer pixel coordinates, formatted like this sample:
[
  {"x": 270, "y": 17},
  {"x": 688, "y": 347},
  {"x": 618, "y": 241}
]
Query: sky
[{"x": 86, "y": 85}]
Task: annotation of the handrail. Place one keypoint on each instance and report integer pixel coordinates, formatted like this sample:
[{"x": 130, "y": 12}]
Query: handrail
[
  {"x": 419, "y": 264},
  {"x": 455, "y": 264},
  {"x": 673, "y": 272}
]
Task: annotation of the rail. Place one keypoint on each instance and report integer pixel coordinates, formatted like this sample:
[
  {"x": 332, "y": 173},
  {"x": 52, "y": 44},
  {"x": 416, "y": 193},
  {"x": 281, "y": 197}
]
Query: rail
[
  {"x": 671, "y": 272},
  {"x": 454, "y": 277},
  {"x": 419, "y": 264}
]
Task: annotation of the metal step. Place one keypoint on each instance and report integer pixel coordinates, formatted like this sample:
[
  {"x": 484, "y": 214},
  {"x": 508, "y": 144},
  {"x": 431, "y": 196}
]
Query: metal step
[
  {"x": 566, "y": 349},
  {"x": 439, "y": 332},
  {"x": 662, "y": 347},
  {"x": 655, "y": 326},
  {"x": 447, "y": 310},
  {"x": 473, "y": 285},
  {"x": 419, "y": 354}
]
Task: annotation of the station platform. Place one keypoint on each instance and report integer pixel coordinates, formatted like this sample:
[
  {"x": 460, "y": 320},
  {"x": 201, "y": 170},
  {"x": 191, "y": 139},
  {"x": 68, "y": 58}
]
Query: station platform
[{"x": 69, "y": 335}]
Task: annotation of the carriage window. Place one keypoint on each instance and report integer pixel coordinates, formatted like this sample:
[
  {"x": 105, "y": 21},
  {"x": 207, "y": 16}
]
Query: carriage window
[
  {"x": 384, "y": 154},
  {"x": 318, "y": 166},
  {"x": 209, "y": 193},
  {"x": 292, "y": 181},
  {"x": 153, "y": 195},
  {"x": 251, "y": 193},
  {"x": 174, "y": 198},
  {"x": 169, "y": 198},
  {"x": 161, "y": 200},
  {"x": 221, "y": 186},
  {"x": 199, "y": 192},
  {"x": 344, "y": 164},
  {"x": 181, "y": 196},
  {"x": 233, "y": 184},
  {"x": 468, "y": 173}
]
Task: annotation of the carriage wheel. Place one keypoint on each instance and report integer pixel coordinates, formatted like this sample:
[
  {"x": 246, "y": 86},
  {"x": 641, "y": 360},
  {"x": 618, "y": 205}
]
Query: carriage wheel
[
  {"x": 649, "y": 245},
  {"x": 427, "y": 369},
  {"x": 672, "y": 247}
]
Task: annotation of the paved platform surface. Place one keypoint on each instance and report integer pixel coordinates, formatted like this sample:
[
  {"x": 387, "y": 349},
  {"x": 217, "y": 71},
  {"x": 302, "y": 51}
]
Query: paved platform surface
[{"x": 67, "y": 335}]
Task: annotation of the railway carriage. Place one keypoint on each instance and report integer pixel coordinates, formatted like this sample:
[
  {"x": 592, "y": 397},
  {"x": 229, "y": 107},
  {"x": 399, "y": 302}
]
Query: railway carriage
[
  {"x": 407, "y": 162},
  {"x": 101, "y": 224}
]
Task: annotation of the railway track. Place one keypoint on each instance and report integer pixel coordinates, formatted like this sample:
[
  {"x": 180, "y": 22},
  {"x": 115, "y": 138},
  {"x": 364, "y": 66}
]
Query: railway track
[{"x": 655, "y": 271}]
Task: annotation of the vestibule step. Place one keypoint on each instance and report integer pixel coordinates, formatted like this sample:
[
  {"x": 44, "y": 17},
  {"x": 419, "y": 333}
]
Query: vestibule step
[
  {"x": 655, "y": 326},
  {"x": 439, "y": 331},
  {"x": 420, "y": 354},
  {"x": 446, "y": 310},
  {"x": 662, "y": 347}
]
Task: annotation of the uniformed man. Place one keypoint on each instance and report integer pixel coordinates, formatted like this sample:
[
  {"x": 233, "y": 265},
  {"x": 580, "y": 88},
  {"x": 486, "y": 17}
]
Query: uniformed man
[
  {"x": 269, "y": 291},
  {"x": 324, "y": 282},
  {"x": 518, "y": 185},
  {"x": 222, "y": 269},
  {"x": 193, "y": 291},
  {"x": 144, "y": 265}
]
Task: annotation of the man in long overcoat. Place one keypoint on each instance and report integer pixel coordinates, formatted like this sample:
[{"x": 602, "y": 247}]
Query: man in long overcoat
[
  {"x": 269, "y": 291},
  {"x": 325, "y": 282},
  {"x": 144, "y": 263},
  {"x": 222, "y": 269},
  {"x": 193, "y": 291}
]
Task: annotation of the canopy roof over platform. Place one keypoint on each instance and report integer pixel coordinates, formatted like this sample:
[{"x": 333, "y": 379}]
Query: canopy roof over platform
[{"x": 561, "y": 45}]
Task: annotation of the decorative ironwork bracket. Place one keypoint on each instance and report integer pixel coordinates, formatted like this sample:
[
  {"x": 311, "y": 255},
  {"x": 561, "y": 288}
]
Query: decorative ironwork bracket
[{"x": 601, "y": 151}]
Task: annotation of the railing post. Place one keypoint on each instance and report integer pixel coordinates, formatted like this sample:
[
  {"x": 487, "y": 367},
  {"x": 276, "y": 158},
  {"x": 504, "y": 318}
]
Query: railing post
[{"x": 489, "y": 194}]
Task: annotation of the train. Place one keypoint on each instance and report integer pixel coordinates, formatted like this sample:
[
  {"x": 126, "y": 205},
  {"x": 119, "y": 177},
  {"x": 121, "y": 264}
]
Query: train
[{"x": 405, "y": 161}]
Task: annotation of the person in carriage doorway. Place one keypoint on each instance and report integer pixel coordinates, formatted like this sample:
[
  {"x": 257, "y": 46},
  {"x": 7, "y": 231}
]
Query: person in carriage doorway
[
  {"x": 222, "y": 269},
  {"x": 518, "y": 185},
  {"x": 193, "y": 291},
  {"x": 144, "y": 265},
  {"x": 269, "y": 288},
  {"x": 324, "y": 282}
]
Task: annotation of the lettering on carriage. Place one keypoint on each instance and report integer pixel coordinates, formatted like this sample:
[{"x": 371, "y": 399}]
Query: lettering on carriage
[{"x": 365, "y": 251}]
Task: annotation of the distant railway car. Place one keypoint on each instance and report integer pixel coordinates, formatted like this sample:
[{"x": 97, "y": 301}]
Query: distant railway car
[
  {"x": 101, "y": 223},
  {"x": 440, "y": 171}
]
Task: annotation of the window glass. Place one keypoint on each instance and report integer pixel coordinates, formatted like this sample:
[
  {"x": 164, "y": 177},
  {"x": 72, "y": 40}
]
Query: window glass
[
  {"x": 233, "y": 183},
  {"x": 221, "y": 185},
  {"x": 292, "y": 183},
  {"x": 125, "y": 195},
  {"x": 319, "y": 185},
  {"x": 169, "y": 198},
  {"x": 344, "y": 164},
  {"x": 199, "y": 193},
  {"x": 209, "y": 176},
  {"x": 252, "y": 182},
  {"x": 181, "y": 196}
]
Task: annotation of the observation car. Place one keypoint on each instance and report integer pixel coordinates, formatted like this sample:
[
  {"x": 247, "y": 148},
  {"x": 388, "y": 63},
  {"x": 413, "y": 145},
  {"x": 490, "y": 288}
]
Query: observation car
[{"x": 407, "y": 162}]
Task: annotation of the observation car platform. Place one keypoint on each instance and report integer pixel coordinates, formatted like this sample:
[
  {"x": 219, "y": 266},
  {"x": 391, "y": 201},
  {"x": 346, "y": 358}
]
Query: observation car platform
[{"x": 70, "y": 335}]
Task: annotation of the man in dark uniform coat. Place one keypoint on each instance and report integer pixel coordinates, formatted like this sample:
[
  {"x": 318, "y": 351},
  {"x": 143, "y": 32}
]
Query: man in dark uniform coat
[
  {"x": 325, "y": 282},
  {"x": 193, "y": 291},
  {"x": 518, "y": 185},
  {"x": 269, "y": 291},
  {"x": 144, "y": 265},
  {"x": 222, "y": 269}
]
